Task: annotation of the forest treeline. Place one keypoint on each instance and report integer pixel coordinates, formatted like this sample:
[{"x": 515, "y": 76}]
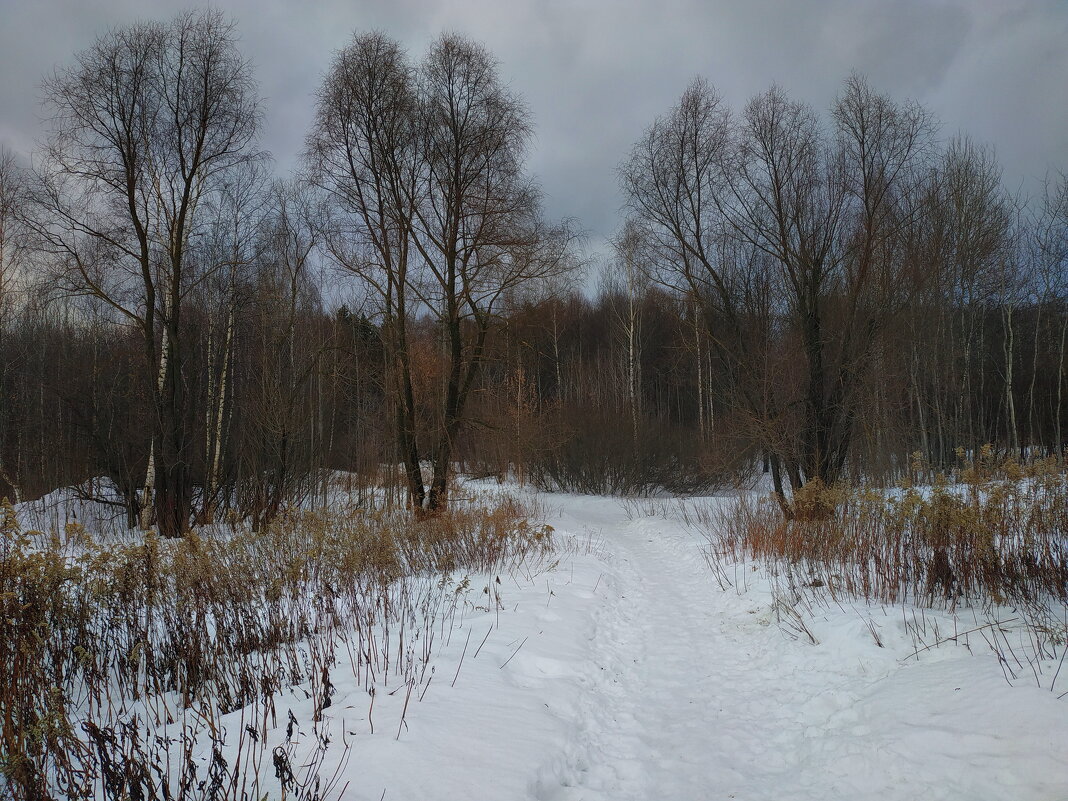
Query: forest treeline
[{"x": 818, "y": 295}]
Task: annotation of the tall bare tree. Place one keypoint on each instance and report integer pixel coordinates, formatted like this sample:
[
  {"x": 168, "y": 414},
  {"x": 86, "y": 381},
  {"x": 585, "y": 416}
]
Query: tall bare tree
[
  {"x": 231, "y": 249},
  {"x": 280, "y": 450},
  {"x": 794, "y": 232},
  {"x": 439, "y": 219},
  {"x": 477, "y": 225},
  {"x": 1049, "y": 243},
  {"x": 625, "y": 279},
  {"x": 146, "y": 123},
  {"x": 363, "y": 152}
]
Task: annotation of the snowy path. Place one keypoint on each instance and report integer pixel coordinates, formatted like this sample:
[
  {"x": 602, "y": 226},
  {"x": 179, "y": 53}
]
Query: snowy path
[
  {"x": 680, "y": 710},
  {"x": 626, "y": 673},
  {"x": 645, "y": 728},
  {"x": 698, "y": 694}
]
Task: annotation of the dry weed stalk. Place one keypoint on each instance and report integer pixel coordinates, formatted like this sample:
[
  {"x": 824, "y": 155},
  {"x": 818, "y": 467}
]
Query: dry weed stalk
[
  {"x": 989, "y": 540},
  {"x": 996, "y": 533},
  {"x": 120, "y": 662}
]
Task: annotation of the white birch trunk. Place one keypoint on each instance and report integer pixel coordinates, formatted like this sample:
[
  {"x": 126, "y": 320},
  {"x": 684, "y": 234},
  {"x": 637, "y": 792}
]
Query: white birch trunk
[{"x": 148, "y": 493}]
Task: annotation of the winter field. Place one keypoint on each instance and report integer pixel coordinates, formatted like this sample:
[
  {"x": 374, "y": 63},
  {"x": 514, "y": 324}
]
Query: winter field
[
  {"x": 634, "y": 658},
  {"x": 362, "y": 440}
]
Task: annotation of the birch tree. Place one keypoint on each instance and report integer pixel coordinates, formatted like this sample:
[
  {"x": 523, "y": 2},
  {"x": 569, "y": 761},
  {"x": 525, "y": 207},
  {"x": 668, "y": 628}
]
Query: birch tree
[
  {"x": 143, "y": 126},
  {"x": 627, "y": 279},
  {"x": 234, "y": 244}
]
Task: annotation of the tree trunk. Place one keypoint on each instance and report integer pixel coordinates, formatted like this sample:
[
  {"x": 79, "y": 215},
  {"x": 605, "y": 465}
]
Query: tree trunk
[
  {"x": 1033, "y": 438},
  {"x": 1010, "y": 403},
  {"x": 1059, "y": 411},
  {"x": 173, "y": 489}
]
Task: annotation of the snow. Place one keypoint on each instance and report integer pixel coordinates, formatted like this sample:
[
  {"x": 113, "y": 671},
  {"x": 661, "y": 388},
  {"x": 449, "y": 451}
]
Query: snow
[
  {"x": 622, "y": 668},
  {"x": 626, "y": 672},
  {"x": 52, "y": 512}
]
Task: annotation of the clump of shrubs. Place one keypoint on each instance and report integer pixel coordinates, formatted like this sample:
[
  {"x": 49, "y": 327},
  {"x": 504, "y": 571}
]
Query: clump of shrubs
[{"x": 994, "y": 530}]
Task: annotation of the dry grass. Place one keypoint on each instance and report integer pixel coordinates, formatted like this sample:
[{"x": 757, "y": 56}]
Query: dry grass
[
  {"x": 105, "y": 646},
  {"x": 978, "y": 558},
  {"x": 996, "y": 531}
]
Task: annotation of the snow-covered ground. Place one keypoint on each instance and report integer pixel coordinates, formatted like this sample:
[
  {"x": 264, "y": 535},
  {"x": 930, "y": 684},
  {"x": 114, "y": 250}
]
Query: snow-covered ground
[
  {"x": 623, "y": 668},
  {"x": 626, "y": 672}
]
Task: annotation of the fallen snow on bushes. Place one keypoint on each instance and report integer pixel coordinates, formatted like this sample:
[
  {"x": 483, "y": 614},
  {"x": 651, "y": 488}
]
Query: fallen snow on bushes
[{"x": 626, "y": 672}]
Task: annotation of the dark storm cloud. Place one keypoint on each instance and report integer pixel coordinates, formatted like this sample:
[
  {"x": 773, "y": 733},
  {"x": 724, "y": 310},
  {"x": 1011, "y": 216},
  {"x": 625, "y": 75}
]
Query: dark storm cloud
[{"x": 595, "y": 74}]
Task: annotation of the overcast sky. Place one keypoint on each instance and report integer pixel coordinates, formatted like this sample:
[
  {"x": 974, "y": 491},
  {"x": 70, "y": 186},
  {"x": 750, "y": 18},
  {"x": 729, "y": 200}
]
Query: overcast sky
[{"x": 595, "y": 74}]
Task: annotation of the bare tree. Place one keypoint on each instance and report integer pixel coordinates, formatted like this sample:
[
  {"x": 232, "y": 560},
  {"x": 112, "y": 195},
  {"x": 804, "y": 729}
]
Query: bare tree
[
  {"x": 1050, "y": 254},
  {"x": 678, "y": 188},
  {"x": 233, "y": 245},
  {"x": 280, "y": 452},
  {"x": 625, "y": 279},
  {"x": 830, "y": 214},
  {"x": 439, "y": 219},
  {"x": 793, "y": 232},
  {"x": 972, "y": 224},
  {"x": 363, "y": 152},
  {"x": 144, "y": 126},
  {"x": 477, "y": 220},
  {"x": 13, "y": 244}
]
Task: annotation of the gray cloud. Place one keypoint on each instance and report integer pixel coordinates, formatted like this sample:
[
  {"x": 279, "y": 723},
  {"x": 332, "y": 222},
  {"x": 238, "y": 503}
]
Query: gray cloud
[{"x": 596, "y": 73}]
